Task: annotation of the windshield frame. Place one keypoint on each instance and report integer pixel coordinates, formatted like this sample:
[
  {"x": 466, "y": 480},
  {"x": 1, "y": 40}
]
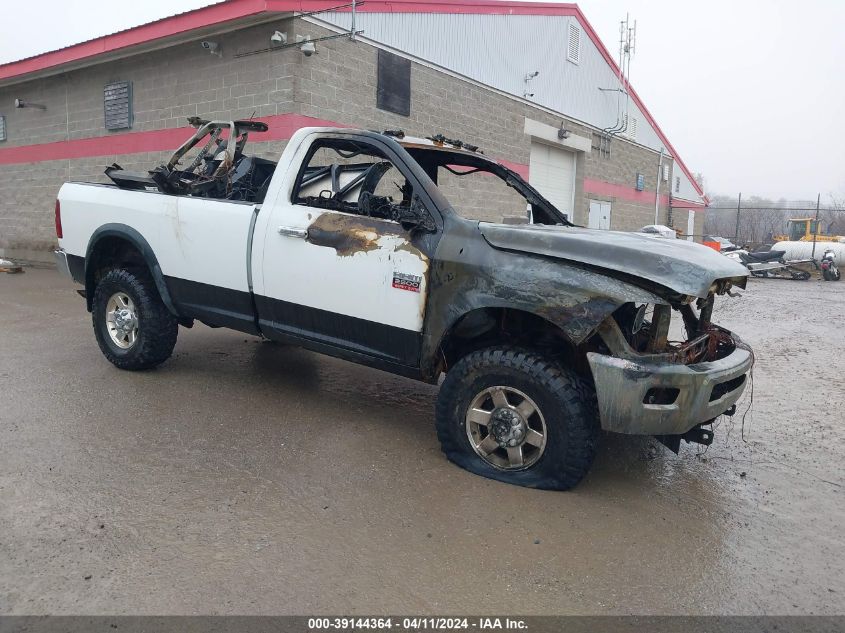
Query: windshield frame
[{"x": 432, "y": 158}]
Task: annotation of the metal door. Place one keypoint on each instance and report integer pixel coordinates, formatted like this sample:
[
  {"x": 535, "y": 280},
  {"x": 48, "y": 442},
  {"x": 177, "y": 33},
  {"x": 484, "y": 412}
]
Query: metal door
[{"x": 599, "y": 217}]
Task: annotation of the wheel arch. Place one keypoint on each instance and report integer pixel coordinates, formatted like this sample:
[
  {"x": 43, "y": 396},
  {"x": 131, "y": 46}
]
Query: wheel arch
[
  {"x": 484, "y": 326},
  {"x": 119, "y": 243}
]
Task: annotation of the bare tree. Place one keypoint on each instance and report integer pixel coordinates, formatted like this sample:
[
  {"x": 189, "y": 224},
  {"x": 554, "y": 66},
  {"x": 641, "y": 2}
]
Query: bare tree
[{"x": 833, "y": 220}]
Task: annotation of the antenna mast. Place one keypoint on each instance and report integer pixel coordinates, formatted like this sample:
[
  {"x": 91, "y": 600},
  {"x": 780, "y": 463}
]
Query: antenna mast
[{"x": 627, "y": 48}]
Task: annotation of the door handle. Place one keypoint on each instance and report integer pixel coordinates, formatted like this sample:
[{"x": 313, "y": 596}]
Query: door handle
[{"x": 289, "y": 231}]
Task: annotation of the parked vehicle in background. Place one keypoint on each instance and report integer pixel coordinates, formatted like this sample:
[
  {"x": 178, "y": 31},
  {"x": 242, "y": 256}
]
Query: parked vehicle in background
[
  {"x": 770, "y": 264},
  {"x": 659, "y": 230},
  {"x": 724, "y": 243},
  {"x": 830, "y": 271},
  {"x": 546, "y": 333}
]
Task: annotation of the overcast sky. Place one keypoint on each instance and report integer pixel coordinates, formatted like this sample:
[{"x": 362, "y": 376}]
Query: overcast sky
[{"x": 750, "y": 92}]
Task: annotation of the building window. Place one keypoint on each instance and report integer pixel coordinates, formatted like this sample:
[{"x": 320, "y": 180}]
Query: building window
[
  {"x": 573, "y": 46},
  {"x": 2, "y": 128},
  {"x": 677, "y": 184},
  {"x": 117, "y": 105},
  {"x": 394, "y": 83}
]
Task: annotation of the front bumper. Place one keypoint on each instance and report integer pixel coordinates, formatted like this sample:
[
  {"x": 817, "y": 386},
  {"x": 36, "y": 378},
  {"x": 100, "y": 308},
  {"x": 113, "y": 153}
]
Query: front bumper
[{"x": 705, "y": 391}]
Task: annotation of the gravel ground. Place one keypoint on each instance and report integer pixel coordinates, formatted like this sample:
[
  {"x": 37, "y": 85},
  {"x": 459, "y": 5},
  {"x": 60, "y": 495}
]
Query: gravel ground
[{"x": 244, "y": 477}]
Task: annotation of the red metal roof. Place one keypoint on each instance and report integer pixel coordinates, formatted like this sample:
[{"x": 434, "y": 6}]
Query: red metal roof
[{"x": 231, "y": 10}]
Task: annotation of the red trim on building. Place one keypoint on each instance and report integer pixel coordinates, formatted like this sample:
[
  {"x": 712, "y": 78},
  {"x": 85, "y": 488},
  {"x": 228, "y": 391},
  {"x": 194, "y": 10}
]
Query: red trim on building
[
  {"x": 474, "y": 7},
  {"x": 282, "y": 127},
  {"x": 167, "y": 27},
  {"x": 235, "y": 9},
  {"x": 519, "y": 168},
  {"x": 623, "y": 192},
  {"x": 677, "y": 203}
]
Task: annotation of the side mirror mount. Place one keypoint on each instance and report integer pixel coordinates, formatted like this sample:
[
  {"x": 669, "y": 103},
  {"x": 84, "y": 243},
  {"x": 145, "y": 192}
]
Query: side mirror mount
[{"x": 415, "y": 217}]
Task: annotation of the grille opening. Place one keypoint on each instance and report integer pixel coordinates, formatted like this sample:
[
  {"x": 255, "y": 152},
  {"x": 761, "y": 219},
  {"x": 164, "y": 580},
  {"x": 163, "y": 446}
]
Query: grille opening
[
  {"x": 661, "y": 395},
  {"x": 726, "y": 387}
]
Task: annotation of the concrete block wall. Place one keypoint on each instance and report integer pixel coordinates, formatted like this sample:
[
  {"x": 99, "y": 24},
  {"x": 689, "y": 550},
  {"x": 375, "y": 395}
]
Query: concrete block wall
[
  {"x": 337, "y": 84},
  {"x": 444, "y": 103},
  {"x": 620, "y": 167}
]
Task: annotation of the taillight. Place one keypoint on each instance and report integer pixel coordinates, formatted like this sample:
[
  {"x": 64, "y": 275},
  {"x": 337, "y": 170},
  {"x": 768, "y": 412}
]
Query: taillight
[{"x": 58, "y": 219}]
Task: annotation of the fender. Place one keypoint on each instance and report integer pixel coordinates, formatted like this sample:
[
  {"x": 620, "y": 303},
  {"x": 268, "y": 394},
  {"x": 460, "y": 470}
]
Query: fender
[
  {"x": 469, "y": 275},
  {"x": 132, "y": 236}
]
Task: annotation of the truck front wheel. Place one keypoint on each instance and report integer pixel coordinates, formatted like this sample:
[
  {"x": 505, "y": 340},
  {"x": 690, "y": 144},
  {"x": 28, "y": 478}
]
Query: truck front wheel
[
  {"x": 515, "y": 416},
  {"x": 134, "y": 329}
]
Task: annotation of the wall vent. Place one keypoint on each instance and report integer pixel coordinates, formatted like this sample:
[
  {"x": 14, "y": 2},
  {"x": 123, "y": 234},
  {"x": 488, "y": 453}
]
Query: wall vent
[
  {"x": 2, "y": 128},
  {"x": 665, "y": 173},
  {"x": 117, "y": 105},
  {"x": 573, "y": 47},
  {"x": 677, "y": 184},
  {"x": 630, "y": 127}
]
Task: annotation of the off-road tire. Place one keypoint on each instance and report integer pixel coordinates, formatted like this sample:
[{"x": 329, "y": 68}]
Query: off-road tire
[
  {"x": 157, "y": 327},
  {"x": 567, "y": 403}
]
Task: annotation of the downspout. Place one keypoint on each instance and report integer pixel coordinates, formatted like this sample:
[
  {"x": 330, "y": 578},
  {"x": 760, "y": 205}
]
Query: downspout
[{"x": 657, "y": 189}]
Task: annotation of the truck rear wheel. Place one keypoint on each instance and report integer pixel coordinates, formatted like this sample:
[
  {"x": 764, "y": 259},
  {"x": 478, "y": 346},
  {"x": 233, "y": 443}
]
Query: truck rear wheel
[
  {"x": 515, "y": 416},
  {"x": 134, "y": 329}
]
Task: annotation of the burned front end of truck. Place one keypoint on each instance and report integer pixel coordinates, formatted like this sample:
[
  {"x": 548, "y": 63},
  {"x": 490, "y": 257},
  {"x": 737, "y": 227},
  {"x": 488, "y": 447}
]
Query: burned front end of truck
[
  {"x": 651, "y": 383},
  {"x": 659, "y": 364},
  {"x": 627, "y": 312}
]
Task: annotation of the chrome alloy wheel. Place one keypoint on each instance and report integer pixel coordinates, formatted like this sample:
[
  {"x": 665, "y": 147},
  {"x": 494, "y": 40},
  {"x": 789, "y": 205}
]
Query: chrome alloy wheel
[
  {"x": 505, "y": 428},
  {"x": 122, "y": 320}
]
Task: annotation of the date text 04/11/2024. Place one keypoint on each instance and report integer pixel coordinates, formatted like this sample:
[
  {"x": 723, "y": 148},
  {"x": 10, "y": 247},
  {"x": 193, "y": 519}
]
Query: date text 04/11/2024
[{"x": 415, "y": 623}]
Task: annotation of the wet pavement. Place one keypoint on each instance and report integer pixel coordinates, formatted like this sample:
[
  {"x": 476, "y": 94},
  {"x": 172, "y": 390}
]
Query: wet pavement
[{"x": 248, "y": 477}]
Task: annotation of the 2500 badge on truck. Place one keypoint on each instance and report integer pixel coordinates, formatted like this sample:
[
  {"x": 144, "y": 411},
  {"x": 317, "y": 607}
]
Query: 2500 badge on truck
[{"x": 546, "y": 332}]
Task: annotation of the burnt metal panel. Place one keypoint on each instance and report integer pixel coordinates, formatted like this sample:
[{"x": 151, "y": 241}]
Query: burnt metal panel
[
  {"x": 117, "y": 105},
  {"x": 681, "y": 266},
  {"x": 394, "y": 83}
]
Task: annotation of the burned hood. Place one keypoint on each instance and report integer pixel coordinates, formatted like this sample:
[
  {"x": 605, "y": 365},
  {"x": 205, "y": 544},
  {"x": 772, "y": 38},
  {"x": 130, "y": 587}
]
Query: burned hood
[{"x": 679, "y": 265}]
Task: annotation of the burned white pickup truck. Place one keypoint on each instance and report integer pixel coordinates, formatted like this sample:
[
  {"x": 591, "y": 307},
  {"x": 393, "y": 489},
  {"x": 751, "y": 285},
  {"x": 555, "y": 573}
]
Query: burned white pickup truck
[{"x": 545, "y": 332}]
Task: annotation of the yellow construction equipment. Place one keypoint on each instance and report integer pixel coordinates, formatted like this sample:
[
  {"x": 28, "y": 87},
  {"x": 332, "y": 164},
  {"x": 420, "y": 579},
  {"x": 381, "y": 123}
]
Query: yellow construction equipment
[{"x": 805, "y": 230}]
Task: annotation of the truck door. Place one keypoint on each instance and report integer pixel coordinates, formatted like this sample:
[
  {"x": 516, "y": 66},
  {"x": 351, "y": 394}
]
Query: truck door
[{"x": 336, "y": 269}]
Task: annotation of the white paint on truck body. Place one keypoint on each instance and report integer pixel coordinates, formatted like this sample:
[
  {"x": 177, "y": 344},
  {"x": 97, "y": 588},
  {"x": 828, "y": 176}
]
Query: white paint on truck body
[
  {"x": 206, "y": 241},
  {"x": 298, "y": 271},
  {"x": 193, "y": 238}
]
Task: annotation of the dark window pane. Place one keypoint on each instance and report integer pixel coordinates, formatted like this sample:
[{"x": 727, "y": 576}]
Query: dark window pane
[{"x": 394, "y": 83}]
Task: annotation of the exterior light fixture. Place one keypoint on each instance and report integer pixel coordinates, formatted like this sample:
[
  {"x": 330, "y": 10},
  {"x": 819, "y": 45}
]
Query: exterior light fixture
[
  {"x": 562, "y": 133},
  {"x": 20, "y": 103}
]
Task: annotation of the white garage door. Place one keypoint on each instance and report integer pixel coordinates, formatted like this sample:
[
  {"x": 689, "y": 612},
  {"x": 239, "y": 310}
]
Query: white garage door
[{"x": 552, "y": 172}]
